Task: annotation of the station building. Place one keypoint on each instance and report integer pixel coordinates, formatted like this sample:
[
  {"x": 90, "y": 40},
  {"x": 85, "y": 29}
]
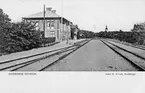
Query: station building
[{"x": 55, "y": 25}]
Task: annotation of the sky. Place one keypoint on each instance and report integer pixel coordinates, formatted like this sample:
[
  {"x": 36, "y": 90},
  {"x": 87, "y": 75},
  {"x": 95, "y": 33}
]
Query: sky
[{"x": 91, "y": 15}]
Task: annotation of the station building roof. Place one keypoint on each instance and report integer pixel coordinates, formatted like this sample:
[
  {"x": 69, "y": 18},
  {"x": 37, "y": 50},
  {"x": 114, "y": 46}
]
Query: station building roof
[{"x": 49, "y": 14}]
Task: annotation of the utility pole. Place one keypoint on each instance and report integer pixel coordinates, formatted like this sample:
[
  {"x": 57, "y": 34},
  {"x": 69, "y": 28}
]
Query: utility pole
[
  {"x": 94, "y": 26},
  {"x": 67, "y": 33},
  {"x": 61, "y": 28},
  {"x": 44, "y": 20}
]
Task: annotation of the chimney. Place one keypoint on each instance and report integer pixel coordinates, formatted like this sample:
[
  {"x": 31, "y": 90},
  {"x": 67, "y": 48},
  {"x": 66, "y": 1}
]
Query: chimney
[
  {"x": 48, "y": 8},
  {"x": 54, "y": 11}
]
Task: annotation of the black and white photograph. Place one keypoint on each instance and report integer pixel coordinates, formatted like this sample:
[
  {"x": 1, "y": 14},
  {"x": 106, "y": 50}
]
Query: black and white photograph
[
  {"x": 72, "y": 35},
  {"x": 72, "y": 46}
]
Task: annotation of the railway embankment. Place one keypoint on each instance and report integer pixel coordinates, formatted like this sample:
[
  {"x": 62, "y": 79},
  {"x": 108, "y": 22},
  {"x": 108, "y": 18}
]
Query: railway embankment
[{"x": 36, "y": 51}]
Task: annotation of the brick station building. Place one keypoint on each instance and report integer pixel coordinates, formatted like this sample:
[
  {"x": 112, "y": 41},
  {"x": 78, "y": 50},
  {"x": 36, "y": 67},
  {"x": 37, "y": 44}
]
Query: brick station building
[{"x": 53, "y": 24}]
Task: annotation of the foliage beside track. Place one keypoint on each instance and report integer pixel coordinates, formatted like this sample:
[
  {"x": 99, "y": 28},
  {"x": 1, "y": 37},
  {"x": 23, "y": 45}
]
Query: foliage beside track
[
  {"x": 85, "y": 34},
  {"x": 15, "y": 37},
  {"x": 135, "y": 36},
  {"x": 81, "y": 33},
  {"x": 120, "y": 35}
]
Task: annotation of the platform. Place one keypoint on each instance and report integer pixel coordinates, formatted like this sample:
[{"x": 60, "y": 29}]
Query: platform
[{"x": 38, "y": 50}]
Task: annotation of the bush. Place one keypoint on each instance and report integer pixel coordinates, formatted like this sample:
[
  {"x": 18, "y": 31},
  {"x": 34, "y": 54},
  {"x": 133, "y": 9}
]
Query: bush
[
  {"x": 130, "y": 37},
  {"x": 22, "y": 36},
  {"x": 48, "y": 40}
]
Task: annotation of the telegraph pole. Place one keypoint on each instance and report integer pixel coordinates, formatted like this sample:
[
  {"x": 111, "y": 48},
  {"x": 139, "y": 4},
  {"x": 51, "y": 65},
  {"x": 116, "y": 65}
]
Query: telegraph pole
[
  {"x": 44, "y": 20},
  {"x": 61, "y": 19},
  {"x": 94, "y": 26}
]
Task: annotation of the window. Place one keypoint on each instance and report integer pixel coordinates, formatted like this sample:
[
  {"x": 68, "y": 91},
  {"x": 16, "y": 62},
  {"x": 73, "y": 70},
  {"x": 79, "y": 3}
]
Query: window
[
  {"x": 52, "y": 34},
  {"x": 52, "y": 24},
  {"x": 48, "y": 24}
]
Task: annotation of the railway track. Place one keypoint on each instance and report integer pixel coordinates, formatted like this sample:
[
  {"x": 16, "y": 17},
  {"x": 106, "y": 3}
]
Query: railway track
[
  {"x": 56, "y": 55},
  {"x": 135, "y": 46},
  {"x": 134, "y": 59}
]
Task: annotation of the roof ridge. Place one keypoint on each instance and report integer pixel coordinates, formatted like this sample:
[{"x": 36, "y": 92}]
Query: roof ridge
[{"x": 41, "y": 14}]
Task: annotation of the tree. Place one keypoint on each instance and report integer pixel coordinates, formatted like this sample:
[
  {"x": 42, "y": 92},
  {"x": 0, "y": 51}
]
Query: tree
[
  {"x": 23, "y": 36},
  {"x": 140, "y": 32},
  {"x": 72, "y": 31},
  {"x": 138, "y": 27},
  {"x": 16, "y": 37},
  {"x": 85, "y": 34}
]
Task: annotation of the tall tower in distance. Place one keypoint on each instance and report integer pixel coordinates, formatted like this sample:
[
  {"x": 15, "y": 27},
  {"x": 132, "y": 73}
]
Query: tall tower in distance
[{"x": 106, "y": 29}]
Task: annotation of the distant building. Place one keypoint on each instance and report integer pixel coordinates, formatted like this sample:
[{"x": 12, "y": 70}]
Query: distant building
[
  {"x": 53, "y": 24},
  {"x": 106, "y": 29}
]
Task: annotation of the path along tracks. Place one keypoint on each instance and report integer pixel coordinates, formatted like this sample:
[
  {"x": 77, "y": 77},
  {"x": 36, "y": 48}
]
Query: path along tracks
[
  {"x": 131, "y": 45},
  {"x": 56, "y": 55},
  {"x": 135, "y": 59}
]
